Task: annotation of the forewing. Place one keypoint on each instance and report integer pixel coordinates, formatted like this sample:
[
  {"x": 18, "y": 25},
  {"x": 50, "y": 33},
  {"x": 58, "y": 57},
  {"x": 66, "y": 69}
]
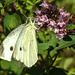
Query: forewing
[
  {"x": 30, "y": 47},
  {"x": 8, "y": 45}
]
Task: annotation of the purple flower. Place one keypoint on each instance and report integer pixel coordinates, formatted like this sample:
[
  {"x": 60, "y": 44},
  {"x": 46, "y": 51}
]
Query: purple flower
[
  {"x": 61, "y": 24},
  {"x": 56, "y": 30},
  {"x": 68, "y": 14},
  {"x": 41, "y": 20},
  {"x": 61, "y": 30},
  {"x": 38, "y": 12},
  {"x": 60, "y": 10},
  {"x": 44, "y": 18},
  {"x": 53, "y": 23},
  {"x": 60, "y": 18},
  {"x": 40, "y": 23},
  {"x": 64, "y": 14},
  {"x": 44, "y": 4},
  {"x": 54, "y": 19},
  {"x": 60, "y": 36}
]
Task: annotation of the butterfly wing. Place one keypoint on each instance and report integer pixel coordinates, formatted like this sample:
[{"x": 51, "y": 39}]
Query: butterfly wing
[
  {"x": 18, "y": 52},
  {"x": 8, "y": 45},
  {"x": 26, "y": 46},
  {"x": 30, "y": 47}
]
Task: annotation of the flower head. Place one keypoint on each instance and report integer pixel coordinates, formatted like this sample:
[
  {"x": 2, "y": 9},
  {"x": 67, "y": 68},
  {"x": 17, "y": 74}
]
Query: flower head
[
  {"x": 54, "y": 19},
  {"x": 44, "y": 4}
]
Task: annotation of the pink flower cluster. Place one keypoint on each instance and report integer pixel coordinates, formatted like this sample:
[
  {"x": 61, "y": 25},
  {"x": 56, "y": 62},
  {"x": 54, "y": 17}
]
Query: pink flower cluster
[{"x": 50, "y": 17}]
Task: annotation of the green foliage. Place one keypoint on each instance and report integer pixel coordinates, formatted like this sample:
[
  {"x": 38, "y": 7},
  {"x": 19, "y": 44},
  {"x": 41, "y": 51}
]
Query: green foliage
[
  {"x": 70, "y": 27},
  {"x": 68, "y": 5},
  {"x": 42, "y": 47},
  {"x": 1, "y": 5},
  {"x": 13, "y": 22},
  {"x": 11, "y": 66},
  {"x": 2, "y": 11},
  {"x": 5, "y": 64},
  {"x": 66, "y": 62},
  {"x": 65, "y": 42},
  {"x": 9, "y": 1},
  {"x": 41, "y": 36},
  {"x": 28, "y": 6},
  {"x": 2, "y": 37}
]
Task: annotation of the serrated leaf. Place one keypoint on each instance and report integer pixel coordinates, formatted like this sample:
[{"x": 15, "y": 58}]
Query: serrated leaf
[
  {"x": 65, "y": 42},
  {"x": 9, "y": 1},
  {"x": 11, "y": 21},
  {"x": 42, "y": 47},
  {"x": 5, "y": 64},
  {"x": 70, "y": 27}
]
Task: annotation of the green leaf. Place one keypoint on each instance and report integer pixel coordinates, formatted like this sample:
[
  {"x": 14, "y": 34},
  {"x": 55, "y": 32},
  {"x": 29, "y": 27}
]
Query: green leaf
[
  {"x": 41, "y": 35},
  {"x": 13, "y": 67},
  {"x": 42, "y": 47},
  {"x": 53, "y": 40},
  {"x": 65, "y": 42},
  {"x": 70, "y": 27},
  {"x": 20, "y": 69},
  {"x": 30, "y": 2},
  {"x": 2, "y": 11},
  {"x": 1, "y": 5},
  {"x": 2, "y": 36},
  {"x": 29, "y": 7},
  {"x": 11, "y": 21},
  {"x": 5, "y": 64},
  {"x": 9, "y": 1},
  {"x": 67, "y": 63},
  {"x": 38, "y": 1}
]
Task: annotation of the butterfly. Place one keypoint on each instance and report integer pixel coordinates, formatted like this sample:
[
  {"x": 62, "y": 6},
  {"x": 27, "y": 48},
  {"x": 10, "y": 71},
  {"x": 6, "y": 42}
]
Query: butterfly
[{"x": 21, "y": 44}]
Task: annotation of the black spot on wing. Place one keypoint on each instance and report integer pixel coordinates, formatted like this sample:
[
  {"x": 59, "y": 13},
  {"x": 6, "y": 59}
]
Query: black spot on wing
[
  {"x": 11, "y": 48},
  {"x": 20, "y": 48}
]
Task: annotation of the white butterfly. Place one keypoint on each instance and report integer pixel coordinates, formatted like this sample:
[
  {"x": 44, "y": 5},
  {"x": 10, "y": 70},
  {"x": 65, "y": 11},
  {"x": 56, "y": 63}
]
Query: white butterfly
[{"x": 21, "y": 44}]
